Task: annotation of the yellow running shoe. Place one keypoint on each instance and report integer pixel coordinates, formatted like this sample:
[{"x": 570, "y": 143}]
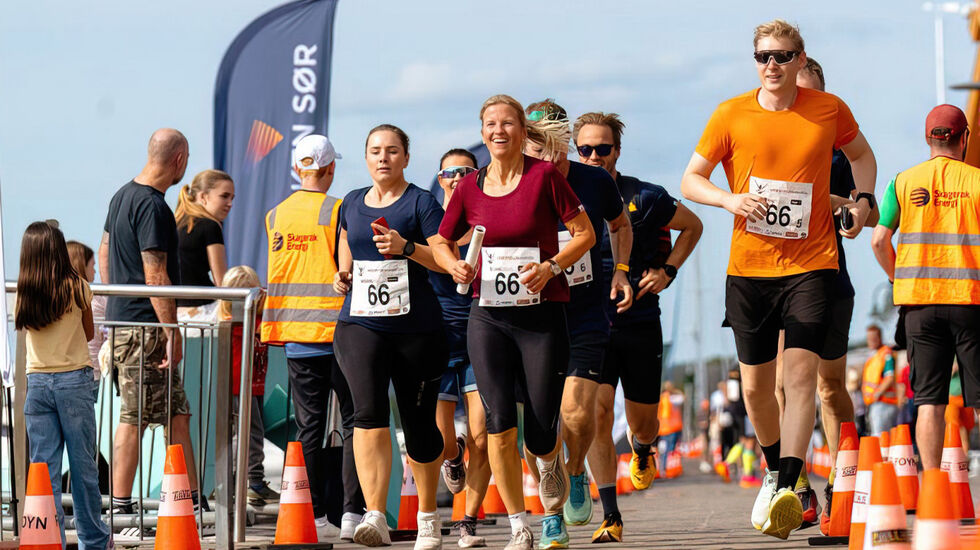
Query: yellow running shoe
[
  {"x": 785, "y": 514},
  {"x": 611, "y": 530},
  {"x": 643, "y": 470}
]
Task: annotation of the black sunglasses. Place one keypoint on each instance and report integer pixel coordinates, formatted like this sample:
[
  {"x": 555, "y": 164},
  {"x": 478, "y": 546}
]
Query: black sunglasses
[
  {"x": 450, "y": 173},
  {"x": 781, "y": 57},
  {"x": 603, "y": 149}
]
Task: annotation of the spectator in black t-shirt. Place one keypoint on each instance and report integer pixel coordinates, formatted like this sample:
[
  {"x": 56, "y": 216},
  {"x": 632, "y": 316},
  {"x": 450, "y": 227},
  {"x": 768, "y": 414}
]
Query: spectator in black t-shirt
[
  {"x": 202, "y": 206},
  {"x": 139, "y": 246}
]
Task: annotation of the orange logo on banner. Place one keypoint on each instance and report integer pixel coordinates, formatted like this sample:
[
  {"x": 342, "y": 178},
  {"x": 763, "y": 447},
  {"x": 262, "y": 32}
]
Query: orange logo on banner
[{"x": 261, "y": 141}]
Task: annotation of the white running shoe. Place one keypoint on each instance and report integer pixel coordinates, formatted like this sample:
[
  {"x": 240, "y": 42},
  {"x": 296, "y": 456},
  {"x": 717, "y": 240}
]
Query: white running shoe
[
  {"x": 521, "y": 540},
  {"x": 760, "y": 510},
  {"x": 347, "y": 525},
  {"x": 553, "y": 487},
  {"x": 325, "y": 530},
  {"x": 430, "y": 534},
  {"x": 373, "y": 530}
]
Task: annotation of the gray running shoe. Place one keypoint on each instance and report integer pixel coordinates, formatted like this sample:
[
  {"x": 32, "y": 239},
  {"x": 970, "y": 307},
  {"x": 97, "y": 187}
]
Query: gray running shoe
[
  {"x": 454, "y": 471},
  {"x": 521, "y": 540},
  {"x": 553, "y": 487},
  {"x": 467, "y": 536}
]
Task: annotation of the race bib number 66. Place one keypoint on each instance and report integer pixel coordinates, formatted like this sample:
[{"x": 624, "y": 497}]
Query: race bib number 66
[
  {"x": 380, "y": 288},
  {"x": 788, "y": 215},
  {"x": 500, "y": 276}
]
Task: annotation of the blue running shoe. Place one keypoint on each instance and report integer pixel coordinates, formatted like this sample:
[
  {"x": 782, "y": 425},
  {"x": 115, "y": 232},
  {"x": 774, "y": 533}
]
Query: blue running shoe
[
  {"x": 578, "y": 507},
  {"x": 553, "y": 533}
]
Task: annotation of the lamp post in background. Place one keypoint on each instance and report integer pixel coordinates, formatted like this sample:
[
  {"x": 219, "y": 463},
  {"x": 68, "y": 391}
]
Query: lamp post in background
[{"x": 939, "y": 9}]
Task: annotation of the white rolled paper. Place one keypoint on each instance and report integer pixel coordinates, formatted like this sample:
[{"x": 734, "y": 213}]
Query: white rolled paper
[{"x": 476, "y": 243}]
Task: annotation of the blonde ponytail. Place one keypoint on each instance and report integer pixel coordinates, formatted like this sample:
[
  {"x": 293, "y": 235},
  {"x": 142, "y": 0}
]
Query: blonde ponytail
[{"x": 188, "y": 209}]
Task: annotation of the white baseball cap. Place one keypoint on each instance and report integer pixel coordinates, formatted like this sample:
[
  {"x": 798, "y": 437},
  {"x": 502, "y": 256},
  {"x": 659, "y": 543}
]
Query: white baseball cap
[{"x": 317, "y": 149}]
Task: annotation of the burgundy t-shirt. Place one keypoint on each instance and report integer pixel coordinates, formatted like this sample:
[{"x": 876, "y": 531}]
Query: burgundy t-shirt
[{"x": 528, "y": 216}]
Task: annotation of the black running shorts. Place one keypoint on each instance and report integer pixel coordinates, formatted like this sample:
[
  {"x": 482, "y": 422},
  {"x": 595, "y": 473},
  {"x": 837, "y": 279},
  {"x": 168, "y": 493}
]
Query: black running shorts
[
  {"x": 935, "y": 335},
  {"x": 758, "y": 308},
  {"x": 586, "y": 352},
  {"x": 635, "y": 356},
  {"x": 838, "y": 328}
]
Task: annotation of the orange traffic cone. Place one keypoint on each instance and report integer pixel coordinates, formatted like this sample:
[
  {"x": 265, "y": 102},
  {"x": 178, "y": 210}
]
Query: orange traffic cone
[
  {"x": 295, "y": 524},
  {"x": 885, "y": 528},
  {"x": 532, "y": 499},
  {"x": 674, "y": 468},
  {"x": 936, "y": 524},
  {"x": 459, "y": 507},
  {"x": 624, "y": 485},
  {"x": 954, "y": 463},
  {"x": 176, "y": 524},
  {"x": 902, "y": 455},
  {"x": 843, "y": 499},
  {"x": 868, "y": 455},
  {"x": 885, "y": 441},
  {"x": 492, "y": 503},
  {"x": 39, "y": 529},
  {"x": 408, "y": 506}
]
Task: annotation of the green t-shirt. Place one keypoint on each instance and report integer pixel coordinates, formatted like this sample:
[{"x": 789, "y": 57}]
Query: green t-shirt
[{"x": 889, "y": 208}]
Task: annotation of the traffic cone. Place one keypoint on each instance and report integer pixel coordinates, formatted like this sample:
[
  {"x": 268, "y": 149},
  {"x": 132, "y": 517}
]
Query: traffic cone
[
  {"x": 39, "y": 529},
  {"x": 885, "y": 528},
  {"x": 624, "y": 485},
  {"x": 408, "y": 506},
  {"x": 295, "y": 524},
  {"x": 176, "y": 524},
  {"x": 492, "y": 503},
  {"x": 885, "y": 439},
  {"x": 902, "y": 455},
  {"x": 843, "y": 500},
  {"x": 936, "y": 524},
  {"x": 532, "y": 499},
  {"x": 674, "y": 467},
  {"x": 954, "y": 463},
  {"x": 459, "y": 507},
  {"x": 868, "y": 455}
]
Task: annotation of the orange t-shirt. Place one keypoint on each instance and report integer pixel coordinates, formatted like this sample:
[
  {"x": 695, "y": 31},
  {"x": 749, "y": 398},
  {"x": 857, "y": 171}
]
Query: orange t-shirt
[{"x": 787, "y": 156}]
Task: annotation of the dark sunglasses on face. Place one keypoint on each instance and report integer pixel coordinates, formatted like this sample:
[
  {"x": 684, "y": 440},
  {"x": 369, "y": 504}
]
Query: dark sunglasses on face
[
  {"x": 452, "y": 171},
  {"x": 781, "y": 57},
  {"x": 603, "y": 150}
]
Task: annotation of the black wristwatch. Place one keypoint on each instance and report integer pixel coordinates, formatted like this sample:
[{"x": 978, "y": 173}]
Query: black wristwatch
[
  {"x": 409, "y": 249},
  {"x": 670, "y": 270},
  {"x": 872, "y": 203}
]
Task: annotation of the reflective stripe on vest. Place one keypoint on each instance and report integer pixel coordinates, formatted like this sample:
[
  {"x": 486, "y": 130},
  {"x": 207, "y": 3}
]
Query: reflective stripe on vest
[
  {"x": 873, "y": 370},
  {"x": 937, "y": 260},
  {"x": 301, "y": 304}
]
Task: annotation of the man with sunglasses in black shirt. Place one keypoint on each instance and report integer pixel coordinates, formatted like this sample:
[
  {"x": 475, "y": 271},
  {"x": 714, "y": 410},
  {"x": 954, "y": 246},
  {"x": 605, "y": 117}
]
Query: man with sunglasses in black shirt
[{"x": 635, "y": 350}]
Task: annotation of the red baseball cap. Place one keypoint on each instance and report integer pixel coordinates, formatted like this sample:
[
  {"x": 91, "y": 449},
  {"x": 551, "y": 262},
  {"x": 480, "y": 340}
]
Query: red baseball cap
[{"x": 945, "y": 122}]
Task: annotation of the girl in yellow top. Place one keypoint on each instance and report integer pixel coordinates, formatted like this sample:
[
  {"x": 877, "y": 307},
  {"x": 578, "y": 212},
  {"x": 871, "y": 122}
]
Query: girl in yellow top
[{"x": 54, "y": 308}]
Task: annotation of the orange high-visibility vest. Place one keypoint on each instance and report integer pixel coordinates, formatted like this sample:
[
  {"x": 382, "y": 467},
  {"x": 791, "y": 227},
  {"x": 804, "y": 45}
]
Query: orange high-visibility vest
[
  {"x": 301, "y": 304},
  {"x": 938, "y": 256},
  {"x": 873, "y": 370},
  {"x": 669, "y": 416}
]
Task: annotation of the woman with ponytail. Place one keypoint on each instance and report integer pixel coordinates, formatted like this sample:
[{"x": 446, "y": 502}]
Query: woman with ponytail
[{"x": 202, "y": 206}]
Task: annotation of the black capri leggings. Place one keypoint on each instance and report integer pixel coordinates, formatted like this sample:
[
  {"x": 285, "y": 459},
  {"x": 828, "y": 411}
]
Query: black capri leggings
[
  {"x": 413, "y": 363},
  {"x": 523, "y": 348}
]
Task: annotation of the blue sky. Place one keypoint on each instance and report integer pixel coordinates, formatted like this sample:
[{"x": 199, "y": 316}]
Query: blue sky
[{"x": 83, "y": 84}]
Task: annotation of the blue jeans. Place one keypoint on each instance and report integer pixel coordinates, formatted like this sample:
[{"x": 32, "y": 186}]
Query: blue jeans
[
  {"x": 60, "y": 412},
  {"x": 881, "y": 417}
]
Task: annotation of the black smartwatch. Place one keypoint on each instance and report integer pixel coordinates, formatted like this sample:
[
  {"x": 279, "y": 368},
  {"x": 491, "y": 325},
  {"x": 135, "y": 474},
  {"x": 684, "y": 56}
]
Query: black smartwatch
[
  {"x": 670, "y": 270},
  {"x": 409, "y": 249},
  {"x": 872, "y": 203}
]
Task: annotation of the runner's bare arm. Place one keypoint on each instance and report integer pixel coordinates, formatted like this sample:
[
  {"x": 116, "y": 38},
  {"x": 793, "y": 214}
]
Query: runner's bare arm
[
  {"x": 621, "y": 239},
  {"x": 345, "y": 262},
  {"x": 865, "y": 170},
  {"x": 881, "y": 243},
  {"x": 535, "y": 276},
  {"x": 155, "y": 274},
  {"x": 217, "y": 262},
  {"x": 389, "y": 241},
  {"x": 446, "y": 255},
  {"x": 696, "y": 186},
  {"x": 690, "y": 227},
  {"x": 104, "y": 258},
  {"x": 873, "y": 217}
]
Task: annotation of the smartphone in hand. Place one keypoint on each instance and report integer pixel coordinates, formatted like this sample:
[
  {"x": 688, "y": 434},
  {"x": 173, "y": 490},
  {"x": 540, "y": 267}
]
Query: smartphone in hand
[
  {"x": 383, "y": 223},
  {"x": 846, "y": 219}
]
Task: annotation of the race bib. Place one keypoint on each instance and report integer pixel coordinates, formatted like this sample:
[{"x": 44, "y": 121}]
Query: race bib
[
  {"x": 581, "y": 271},
  {"x": 380, "y": 289},
  {"x": 500, "y": 274},
  {"x": 788, "y": 216}
]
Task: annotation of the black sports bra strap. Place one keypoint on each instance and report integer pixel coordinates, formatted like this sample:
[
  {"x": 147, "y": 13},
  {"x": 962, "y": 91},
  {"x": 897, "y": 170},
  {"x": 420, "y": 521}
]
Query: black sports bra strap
[{"x": 482, "y": 175}]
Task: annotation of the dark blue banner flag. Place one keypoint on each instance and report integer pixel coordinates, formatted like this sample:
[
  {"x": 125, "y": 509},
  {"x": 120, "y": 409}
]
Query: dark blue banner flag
[
  {"x": 272, "y": 89},
  {"x": 482, "y": 159}
]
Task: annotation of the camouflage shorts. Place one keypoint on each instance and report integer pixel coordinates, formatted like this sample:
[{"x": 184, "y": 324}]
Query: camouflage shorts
[{"x": 126, "y": 355}]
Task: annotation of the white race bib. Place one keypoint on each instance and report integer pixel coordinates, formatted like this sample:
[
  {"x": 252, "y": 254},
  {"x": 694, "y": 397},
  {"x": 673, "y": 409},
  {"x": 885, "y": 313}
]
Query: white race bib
[
  {"x": 788, "y": 216},
  {"x": 380, "y": 289},
  {"x": 581, "y": 271},
  {"x": 500, "y": 274}
]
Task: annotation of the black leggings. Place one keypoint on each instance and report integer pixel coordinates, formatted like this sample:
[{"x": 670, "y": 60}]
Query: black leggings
[
  {"x": 413, "y": 363},
  {"x": 520, "y": 349}
]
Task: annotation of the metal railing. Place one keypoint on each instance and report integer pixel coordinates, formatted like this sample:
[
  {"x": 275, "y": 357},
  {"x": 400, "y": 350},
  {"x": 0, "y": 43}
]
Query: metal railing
[{"x": 230, "y": 465}]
